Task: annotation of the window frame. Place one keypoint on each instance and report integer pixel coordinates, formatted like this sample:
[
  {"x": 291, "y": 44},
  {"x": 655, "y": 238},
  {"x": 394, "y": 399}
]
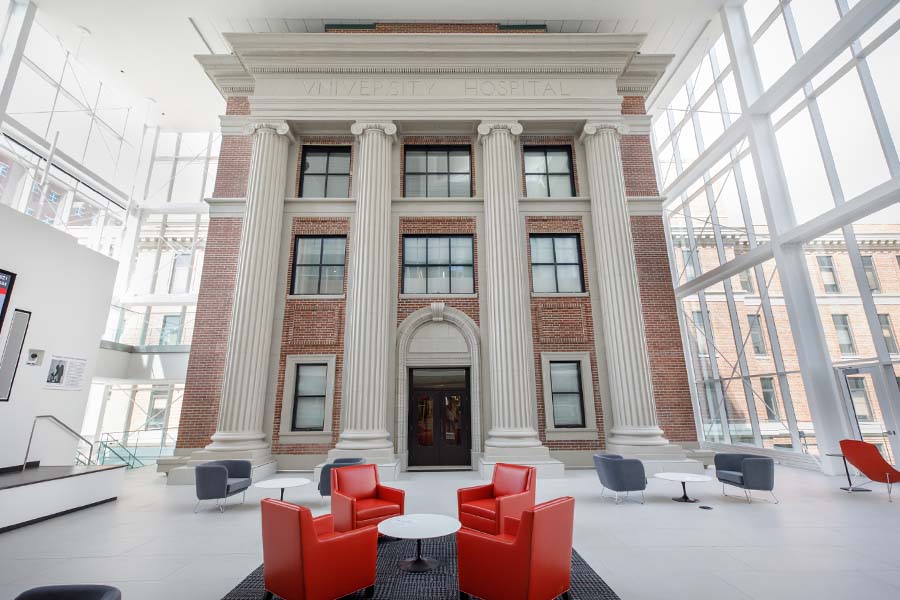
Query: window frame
[
  {"x": 820, "y": 258},
  {"x": 295, "y": 399},
  {"x": 544, "y": 148},
  {"x": 745, "y": 278},
  {"x": 178, "y": 332},
  {"x": 884, "y": 319},
  {"x": 426, "y": 264},
  {"x": 295, "y": 265},
  {"x": 845, "y": 317},
  {"x": 287, "y": 434},
  {"x": 434, "y": 148},
  {"x": 772, "y": 407},
  {"x": 757, "y": 339},
  {"x": 556, "y": 265},
  {"x": 702, "y": 344},
  {"x": 551, "y": 431},
  {"x": 329, "y": 150},
  {"x": 553, "y": 394},
  {"x": 870, "y": 415},
  {"x": 868, "y": 263}
]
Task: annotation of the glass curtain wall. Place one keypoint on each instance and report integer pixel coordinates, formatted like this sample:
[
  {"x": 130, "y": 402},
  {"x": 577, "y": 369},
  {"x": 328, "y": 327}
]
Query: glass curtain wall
[{"x": 835, "y": 130}]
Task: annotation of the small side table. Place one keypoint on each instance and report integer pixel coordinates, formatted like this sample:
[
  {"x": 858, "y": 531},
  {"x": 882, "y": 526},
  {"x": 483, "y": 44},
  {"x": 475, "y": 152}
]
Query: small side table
[
  {"x": 282, "y": 483},
  {"x": 418, "y": 527},
  {"x": 850, "y": 487},
  {"x": 684, "y": 478}
]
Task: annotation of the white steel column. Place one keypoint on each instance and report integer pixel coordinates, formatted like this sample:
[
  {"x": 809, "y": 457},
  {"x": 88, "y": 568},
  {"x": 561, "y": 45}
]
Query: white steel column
[
  {"x": 241, "y": 409},
  {"x": 15, "y": 26},
  {"x": 634, "y": 427},
  {"x": 368, "y": 339},
  {"x": 513, "y": 436}
]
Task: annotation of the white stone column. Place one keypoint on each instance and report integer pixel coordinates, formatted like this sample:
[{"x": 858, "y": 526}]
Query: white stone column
[
  {"x": 509, "y": 341},
  {"x": 634, "y": 424},
  {"x": 241, "y": 409},
  {"x": 367, "y": 344}
]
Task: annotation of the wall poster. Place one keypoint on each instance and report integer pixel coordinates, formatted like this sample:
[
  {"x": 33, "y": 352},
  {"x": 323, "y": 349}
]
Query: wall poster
[{"x": 65, "y": 373}]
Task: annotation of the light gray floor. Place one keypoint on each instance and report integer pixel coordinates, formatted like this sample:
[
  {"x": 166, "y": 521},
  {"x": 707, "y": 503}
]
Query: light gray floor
[{"x": 819, "y": 542}]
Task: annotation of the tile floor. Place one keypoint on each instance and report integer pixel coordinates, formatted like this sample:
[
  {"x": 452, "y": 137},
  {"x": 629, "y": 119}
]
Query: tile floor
[{"x": 819, "y": 542}]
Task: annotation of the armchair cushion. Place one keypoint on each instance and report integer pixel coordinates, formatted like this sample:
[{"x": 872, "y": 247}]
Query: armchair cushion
[
  {"x": 510, "y": 479},
  {"x": 734, "y": 477},
  {"x": 746, "y": 471},
  {"x": 236, "y": 484},
  {"x": 371, "y": 508},
  {"x": 486, "y": 508},
  {"x": 355, "y": 482}
]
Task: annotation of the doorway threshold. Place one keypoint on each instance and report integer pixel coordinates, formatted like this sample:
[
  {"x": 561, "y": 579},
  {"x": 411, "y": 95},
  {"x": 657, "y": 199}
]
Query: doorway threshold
[{"x": 441, "y": 468}]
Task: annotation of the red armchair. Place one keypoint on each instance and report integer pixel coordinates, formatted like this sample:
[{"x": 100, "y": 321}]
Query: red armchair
[
  {"x": 304, "y": 559},
  {"x": 358, "y": 499},
  {"x": 510, "y": 492},
  {"x": 530, "y": 560},
  {"x": 866, "y": 457}
]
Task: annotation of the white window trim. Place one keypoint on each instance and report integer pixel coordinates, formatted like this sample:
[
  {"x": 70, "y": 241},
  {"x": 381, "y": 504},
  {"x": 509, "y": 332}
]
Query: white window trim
[
  {"x": 286, "y": 436},
  {"x": 551, "y": 432}
]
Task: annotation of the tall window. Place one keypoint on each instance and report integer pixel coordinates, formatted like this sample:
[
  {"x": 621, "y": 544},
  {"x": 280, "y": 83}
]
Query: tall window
[
  {"x": 326, "y": 172},
  {"x": 548, "y": 172},
  {"x": 690, "y": 270},
  {"x": 844, "y": 334},
  {"x": 746, "y": 280},
  {"x": 887, "y": 330},
  {"x": 829, "y": 275},
  {"x": 568, "y": 404},
  {"x": 860, "y": 396},
  {"x": 181, "y": 273},
  {"x": 438, "y": 264},
  {"x": 438, "y": 171},
  {"x": 770, "y": 399},
  {"x": 309, "y": 398},
  {"x": 871, "y": 273},
  {"x": 556, "y": 263},
  {"x": 319, "y": 265},
  {"x": 170, "y": 334},
  {"x": 156, "y": 411},
  {"x": 700, "y": 334},
  {"x": 756, "y": 335}
]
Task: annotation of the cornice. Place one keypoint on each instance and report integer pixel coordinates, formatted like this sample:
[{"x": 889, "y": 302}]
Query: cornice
[{"x": 642, "y": 74}]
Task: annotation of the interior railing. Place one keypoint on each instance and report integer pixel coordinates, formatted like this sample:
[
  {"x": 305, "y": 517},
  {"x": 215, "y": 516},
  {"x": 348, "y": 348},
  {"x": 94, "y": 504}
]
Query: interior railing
[{"x": 80, "y": 457}]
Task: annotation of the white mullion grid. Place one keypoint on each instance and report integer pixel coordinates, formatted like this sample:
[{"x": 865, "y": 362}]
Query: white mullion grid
[
  {"x": 677, "y": 126},
  {"x": 153, "y": 160},
  {"x": 57, "y": 82},
  {"x": 174, "y": 170},
  {"x": 713, "y": 219},
  {"x": 823, "y": 395}
]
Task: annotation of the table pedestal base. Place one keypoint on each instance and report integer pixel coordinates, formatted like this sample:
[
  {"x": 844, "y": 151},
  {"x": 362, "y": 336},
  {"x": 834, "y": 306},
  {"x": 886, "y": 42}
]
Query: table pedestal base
[
  {"x": 684, "y": 496},
  {"x": 418, "y": 564},
  {"x": 855, "y": 489}
]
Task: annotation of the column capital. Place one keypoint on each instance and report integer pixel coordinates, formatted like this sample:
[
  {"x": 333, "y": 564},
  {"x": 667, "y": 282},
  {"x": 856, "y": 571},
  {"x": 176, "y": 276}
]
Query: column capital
[
  {"x": 485, "y": 128},
  {"x": 278, "y": 127},
  {"x": 388, "y": 128},
  {"x": 595, "y": 127}
]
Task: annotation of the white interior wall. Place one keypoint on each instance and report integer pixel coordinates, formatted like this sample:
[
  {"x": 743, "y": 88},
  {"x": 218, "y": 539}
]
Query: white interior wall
[{"x": 68, "y": 289}]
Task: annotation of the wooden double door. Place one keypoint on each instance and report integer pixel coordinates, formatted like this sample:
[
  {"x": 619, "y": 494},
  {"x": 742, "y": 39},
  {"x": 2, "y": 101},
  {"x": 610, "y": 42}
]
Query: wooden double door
[{"x": 440, "y": 424}]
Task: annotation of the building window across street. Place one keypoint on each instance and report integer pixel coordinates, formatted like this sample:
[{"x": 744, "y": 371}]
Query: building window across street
[
  {"x": 548, "y": 172},
  {"x": 326, "y": 172},
  {"x": 437, "y": 171},
  {"x": 556, "y": 263},
  {"x": 887, "y": 330},
  {"x": 860, "y": 395},
  {"x": 770, "y": 399},
  {"x": 844, "y": 334},
  {"x": 871, "y": 274},
  {"x": 438, "y": 264},
  {"x": 829, "y": 274},
  {"x": 700, "y": 334},
  {"x": 309, "y": 397},
  {"x": 756, "y": 335},
  {"x": 568, "y": 401},
  {"x": 170, "y": 334},
  {"x": 746, "y": 279},
  {"x": 318, "y": 265}
]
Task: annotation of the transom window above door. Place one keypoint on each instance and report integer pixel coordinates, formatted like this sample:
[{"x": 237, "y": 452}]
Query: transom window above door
[
  {"x": 325, "y": 172},
  {"x": 318, "y": 265},
  {"x": 438, "y": 264},
  {"x": 548, "y": 172},
  {"x": 556, "y": 263},
  {"x": 438, "y": 171}
]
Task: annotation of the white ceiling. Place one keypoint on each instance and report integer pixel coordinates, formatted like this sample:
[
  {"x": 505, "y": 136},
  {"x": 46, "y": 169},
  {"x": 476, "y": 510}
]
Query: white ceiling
[{"x": 147, "y": 48}]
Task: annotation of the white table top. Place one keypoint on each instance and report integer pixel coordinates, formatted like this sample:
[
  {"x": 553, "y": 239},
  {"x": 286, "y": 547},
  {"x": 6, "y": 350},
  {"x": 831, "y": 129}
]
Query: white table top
[
  {"x": 418, "y": 527},
  {"x": 281, "y": 482},
  {"x": 683, "y": 477}
]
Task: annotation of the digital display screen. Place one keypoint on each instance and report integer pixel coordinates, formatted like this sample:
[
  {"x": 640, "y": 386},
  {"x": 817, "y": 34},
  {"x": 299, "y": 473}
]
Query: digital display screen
[{"x": 6, "y": 284}]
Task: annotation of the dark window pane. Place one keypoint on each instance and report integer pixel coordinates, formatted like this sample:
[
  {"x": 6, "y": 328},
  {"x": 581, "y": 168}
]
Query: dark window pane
[
  {"x": 569, "y": 278},
  {"x": 437, "y": 186},
  {"x": 315, "y": 162},
  {"x": 309, "y": 414},
  {"x": 308, "y": 251},
  {"x": 311, "y": 380},
  {"x": 306, "y": 280},
  {"x": 437, "y": 161},
  {"x": 536, "y": 186},
  {"x": 462, "y": 280},
  {"x": 414, "y": 280},
  {"x": 414, "y": 250},
  {"x": 544, "y": 278},
  {"x": 339, "y": 162},
  {"x": 460, "y": 161},
  {"x": 567, "y": 410},
  {"x": 541, "y": 250},
  {"x": 415, "y": 186},
  {"x": 460, "y": 186},
  {"x": 438, "y": 250},
  {"x": 566, "y": 249},
  {"x": 461, "y": 250},
  {"x": 535, "y": 162},
  {"x": 332, "y": 280},
  {"x": 415, "y": 161},
  {"x": 560, "y": 186},
  {"x": 338, "y": 186},
  {"x": 564, "y": 377},
  {"x": 333, "y": 251},
  {"x": 438, "y": 280},
  {"x": 558, "y": 161},
  {"x": 313, "y": 186}
]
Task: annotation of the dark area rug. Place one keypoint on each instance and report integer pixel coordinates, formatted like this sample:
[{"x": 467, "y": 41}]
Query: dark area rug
[{"x": 392, "y": 583}]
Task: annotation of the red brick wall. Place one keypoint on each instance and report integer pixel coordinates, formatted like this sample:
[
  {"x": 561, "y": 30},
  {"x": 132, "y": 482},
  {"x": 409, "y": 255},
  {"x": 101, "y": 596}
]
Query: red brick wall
[
  {"x": 633, "y": 105},
  {"x": 667, "y": 367},
  {"x": 436, "y": 140},
  {"x": 637, "y": 166},
  {"x": 313, "y": 326},
  {"x": 549, "y": 140},
  {"x": 322, "y": 140},
  {"x": 443, "y": 226},
  {"x": 206, "y": 365},
  {"x": 234, "y": 156},
  {"x": 563, "y": 324}
]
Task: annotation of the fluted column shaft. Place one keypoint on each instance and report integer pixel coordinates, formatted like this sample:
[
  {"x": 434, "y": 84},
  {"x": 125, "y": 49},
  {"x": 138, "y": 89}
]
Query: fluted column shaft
[
  {"x": 633, "y": 406},
  {"x": 367, "y": 344},
  {"x": 242, "y": 406},
  {"x": 509, "y": 338}
]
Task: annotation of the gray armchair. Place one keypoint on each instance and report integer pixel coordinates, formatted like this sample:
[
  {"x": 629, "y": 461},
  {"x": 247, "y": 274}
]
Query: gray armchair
[
  {"x": 219, "y": 479},
  {"x": 71, "y": 592},
  {"x": 746, "y": 471},
  {"x": 620, "y": 474},
  {"x": 325, "y": 475}
]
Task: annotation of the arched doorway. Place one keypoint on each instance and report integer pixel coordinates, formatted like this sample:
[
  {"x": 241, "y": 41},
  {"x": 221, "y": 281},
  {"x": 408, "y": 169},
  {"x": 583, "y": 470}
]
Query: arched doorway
[{"x": 439, "y": 389}]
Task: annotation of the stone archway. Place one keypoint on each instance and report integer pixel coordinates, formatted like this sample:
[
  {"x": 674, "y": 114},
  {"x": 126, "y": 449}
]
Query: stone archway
[{"x": 438, "y": 312}]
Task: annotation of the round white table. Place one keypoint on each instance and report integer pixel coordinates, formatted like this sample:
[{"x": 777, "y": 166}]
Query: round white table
[
  {"x": 281, "y": 482},
  {"x": 684, "y": 478},
  {"x": 418, "y": 527}
]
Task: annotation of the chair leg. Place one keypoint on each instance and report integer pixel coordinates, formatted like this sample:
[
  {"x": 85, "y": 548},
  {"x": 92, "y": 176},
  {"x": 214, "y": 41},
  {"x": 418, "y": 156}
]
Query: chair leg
[
  {"x": 602, "y": 491},
  {"x": 617, "y": 497},
  {"x": 197, "y": 506},
  {"x": 642, "y": 501},
  {"x": 749, "y": 499},
  {"x": 370, "y": 591},
  {"x": 774, "y": 497},
  {"x": 268, "y": 595},
  {"x": 243, "y": 496},
  {"x": 463, "y": 596},
  {"x": 565, "y": 596},
  {"x": 890, "y": 486}
]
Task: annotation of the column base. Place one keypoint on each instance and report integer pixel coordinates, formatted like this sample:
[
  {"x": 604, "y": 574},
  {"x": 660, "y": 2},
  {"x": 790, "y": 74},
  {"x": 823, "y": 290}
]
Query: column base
[
  {"x": 535, "y": 456},
  {"x": 228, "y": 441}
]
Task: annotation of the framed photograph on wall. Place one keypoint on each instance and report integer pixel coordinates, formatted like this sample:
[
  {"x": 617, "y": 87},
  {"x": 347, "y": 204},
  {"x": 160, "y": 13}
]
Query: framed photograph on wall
[{"x": 7, "y": 280}]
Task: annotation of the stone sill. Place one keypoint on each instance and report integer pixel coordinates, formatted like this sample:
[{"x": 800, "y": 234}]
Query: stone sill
[
  {"x": 315, "y": 297},
  {"x": 304, "y": 437},
  {"x": 571, "y": 434},
  {"x": 560, "y": 295},
  {"x": 438, "y": 296}
]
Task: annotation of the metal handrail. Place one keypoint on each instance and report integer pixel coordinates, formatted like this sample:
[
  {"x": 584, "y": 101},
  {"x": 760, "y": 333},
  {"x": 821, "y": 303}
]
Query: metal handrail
[
  {"x": 61, "y": 424},
  {"x": 128, "y": 452}
]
